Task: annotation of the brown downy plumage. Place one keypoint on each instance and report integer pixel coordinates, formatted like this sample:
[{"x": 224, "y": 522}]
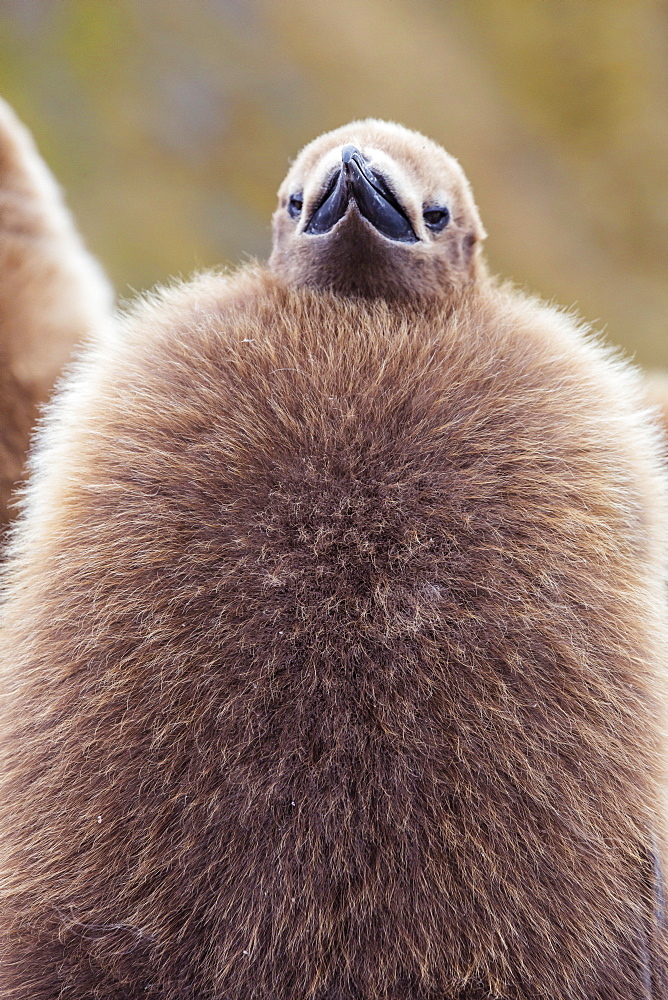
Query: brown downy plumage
[
  {"x": 334, "y": 632},
  {"x": 52, "y": 294}
]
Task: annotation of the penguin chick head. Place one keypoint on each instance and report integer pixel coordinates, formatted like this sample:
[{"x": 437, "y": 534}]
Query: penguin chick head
[{"x": 375, "y": 210}]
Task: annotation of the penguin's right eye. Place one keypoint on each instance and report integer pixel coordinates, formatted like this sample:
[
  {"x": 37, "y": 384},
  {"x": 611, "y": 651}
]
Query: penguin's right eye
[
  {"x": 436, "y": 218},
  {"x": 295, "y": 205}
]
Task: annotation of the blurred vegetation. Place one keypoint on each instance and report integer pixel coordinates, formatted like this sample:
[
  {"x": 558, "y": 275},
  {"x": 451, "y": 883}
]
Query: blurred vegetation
[{"x": 171, "y": 124}]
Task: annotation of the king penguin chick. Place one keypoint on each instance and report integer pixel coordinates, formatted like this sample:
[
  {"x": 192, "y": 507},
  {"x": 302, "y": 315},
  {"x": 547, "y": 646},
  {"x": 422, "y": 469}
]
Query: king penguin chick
[
  {"x": 334, "y": 632},
  {"x": 52, "y": 294}
]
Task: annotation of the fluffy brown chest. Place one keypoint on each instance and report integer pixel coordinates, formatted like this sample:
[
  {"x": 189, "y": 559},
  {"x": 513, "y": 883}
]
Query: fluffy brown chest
[{"x": 331, "y": 684}]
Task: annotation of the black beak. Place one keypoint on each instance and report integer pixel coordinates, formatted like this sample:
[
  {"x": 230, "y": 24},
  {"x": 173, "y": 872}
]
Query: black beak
[{"x": 355, "y": 180}]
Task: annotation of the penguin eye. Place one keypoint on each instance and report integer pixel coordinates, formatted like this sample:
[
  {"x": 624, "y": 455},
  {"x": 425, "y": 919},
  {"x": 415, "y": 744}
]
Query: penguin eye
[
  {"x": 436, "y": 218},
  {"x": 295, "y": 205}
]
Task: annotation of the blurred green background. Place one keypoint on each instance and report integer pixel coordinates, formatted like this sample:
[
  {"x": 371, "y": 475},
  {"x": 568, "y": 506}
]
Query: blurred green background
[{"x": 170, "y": 124}]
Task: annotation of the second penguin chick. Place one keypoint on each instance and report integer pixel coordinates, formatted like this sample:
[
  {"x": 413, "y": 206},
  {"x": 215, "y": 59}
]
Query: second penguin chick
[{"x": 53, "y": 295}]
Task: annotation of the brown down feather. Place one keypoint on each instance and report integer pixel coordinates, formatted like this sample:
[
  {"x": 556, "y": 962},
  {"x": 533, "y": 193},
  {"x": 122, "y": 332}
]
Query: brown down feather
[{"x": 333, "y": 658}]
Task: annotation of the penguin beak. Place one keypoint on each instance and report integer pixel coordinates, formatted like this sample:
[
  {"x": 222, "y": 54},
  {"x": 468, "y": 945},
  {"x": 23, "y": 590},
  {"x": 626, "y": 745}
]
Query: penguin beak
[{"x": 355, "y": 181}]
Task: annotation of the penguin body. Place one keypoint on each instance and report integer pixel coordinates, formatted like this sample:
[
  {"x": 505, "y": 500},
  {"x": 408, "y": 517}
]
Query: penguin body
[{"x": 333, "y": 650}]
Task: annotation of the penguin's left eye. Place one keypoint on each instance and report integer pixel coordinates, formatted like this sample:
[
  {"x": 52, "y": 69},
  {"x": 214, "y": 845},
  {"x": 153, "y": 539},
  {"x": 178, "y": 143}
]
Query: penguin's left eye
[
  {"x": 295, "y": 205},
  {"x": 436, "y": 218}
]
